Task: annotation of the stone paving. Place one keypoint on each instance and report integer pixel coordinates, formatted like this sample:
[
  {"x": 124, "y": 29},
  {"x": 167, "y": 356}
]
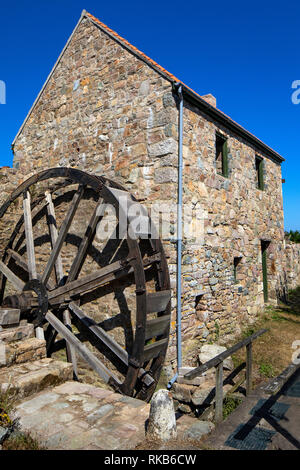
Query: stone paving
[{"x": 80, "y": 416}]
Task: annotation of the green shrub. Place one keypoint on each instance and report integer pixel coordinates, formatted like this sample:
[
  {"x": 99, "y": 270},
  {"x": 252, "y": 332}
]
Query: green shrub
[
  {"x": 266, "y": 369},
  {"x": 22, "y": 441},
  {"x": 229, "y": 405}
]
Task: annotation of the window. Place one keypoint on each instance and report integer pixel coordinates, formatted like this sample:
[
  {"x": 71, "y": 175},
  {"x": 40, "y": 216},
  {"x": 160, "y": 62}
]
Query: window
[
  {"x": 259, "y": 166},
  {"x": 236, "y": 262},
  {"x": 264, "y": 244},
  {"x": 221, "y": 155}
]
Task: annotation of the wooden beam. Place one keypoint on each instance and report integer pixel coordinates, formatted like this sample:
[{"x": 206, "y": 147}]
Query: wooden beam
[
  {"x": 108, "y": 341},
  {"x": 219, "y": 393},
  {"x": 9, "y": 316},
  {"x": 18, "y": 259},
  {"x": 82, "y": 350},
  {"x": 23, "y": 264},
  {"x": 154, "y": 349},
  {"x": 51, "y": 219},
  {"x": 92, "y": 281},
  {"x": 86, "y": 283},
  {"x": 85, "y": 242},
  {"x": 71, "y": 352},
  {"x": 29, "y": 236},
  {"x": 157, "y": 326},
  {"x": 18, "y": 283},
  {"x": 63, "y": 233},
  {"x": 221, "y": 357},
  {"x": 158, "y": 301},
  {"x": 249, "y": 369}
]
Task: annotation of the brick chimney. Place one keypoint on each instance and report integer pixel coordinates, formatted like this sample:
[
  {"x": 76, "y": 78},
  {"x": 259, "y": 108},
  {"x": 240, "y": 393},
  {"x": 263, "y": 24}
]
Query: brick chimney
[{"x": 210, "y": 99}]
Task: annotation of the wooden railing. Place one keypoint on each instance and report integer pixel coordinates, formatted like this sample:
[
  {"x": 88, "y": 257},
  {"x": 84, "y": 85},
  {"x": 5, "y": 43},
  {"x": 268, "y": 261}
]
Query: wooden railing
[{"x": 217, "y": 362}]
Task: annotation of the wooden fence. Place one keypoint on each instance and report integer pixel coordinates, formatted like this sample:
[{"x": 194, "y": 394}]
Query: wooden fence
[{"x": 217, "y": 362}]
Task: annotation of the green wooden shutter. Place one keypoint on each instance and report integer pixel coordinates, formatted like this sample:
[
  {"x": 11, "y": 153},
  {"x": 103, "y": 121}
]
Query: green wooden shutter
[
  {"x": 225, "y": 159},
  {"x": 264, "y": 269},
  {"x": 261, "y": 175}
]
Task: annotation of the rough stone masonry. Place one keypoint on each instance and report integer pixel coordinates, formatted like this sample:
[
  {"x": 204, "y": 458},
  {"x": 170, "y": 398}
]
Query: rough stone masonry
[{"x": 108, "y": 109}]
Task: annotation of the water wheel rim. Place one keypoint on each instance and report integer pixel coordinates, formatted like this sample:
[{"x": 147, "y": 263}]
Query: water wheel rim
[{"x": 104, "y": 187}]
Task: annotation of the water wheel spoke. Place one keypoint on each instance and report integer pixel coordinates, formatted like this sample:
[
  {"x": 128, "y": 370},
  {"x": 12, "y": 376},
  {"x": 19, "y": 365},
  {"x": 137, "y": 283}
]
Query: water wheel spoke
[
  {"x": 29, "y": 236},
  {"x": 17, "y": 282},
  {"x": 85, "y": 242},
  {"x": 51, "y": 220},
  {"x": 89, "y": 282},
  {"x": 20, "y": 261},
  {"x": 71, "y": 352},
  {"x": 63, "y": 233},
  {"x": 50, "y": 337},
  {"x": 95, "y": 280},
  {"x": 83, "y": 351},
  {"x": 107, "y": 340}
]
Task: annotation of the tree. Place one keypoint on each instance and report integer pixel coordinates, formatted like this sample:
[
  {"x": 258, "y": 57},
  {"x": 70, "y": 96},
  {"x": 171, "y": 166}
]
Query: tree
[{"x": 293, "y": 236}]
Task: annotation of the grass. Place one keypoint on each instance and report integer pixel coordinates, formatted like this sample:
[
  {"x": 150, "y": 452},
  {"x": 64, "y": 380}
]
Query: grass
[
  {"x": 22, "y": 441},
  {"x": 272, "y": 352},
  {"x": 7, "y": 403},
  {"x": 266, "y": 370},
  {"x": 17, "y": 440}
]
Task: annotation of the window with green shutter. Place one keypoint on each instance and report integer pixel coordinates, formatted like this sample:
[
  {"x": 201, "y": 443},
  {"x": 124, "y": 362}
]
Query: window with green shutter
[
  {"x": 264, "y": 244},
  {"x": 259, "y": 166},
  {"x": 221, "y": 155}
]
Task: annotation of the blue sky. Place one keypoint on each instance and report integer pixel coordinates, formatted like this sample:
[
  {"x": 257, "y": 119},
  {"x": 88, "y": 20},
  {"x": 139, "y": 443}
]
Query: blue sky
[{"x": 247, "y": 55}]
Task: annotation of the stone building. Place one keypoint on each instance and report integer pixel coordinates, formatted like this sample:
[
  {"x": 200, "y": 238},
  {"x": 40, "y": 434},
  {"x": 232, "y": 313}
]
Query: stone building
[{"x": 108, "y": 109}]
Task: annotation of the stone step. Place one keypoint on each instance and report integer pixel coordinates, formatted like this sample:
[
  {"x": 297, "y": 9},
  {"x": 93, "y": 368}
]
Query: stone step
[
  {"x": 9, "y": 316},
  {"x": 19, "y": 352},
  {"x": 17, "y": 333},
  {"x": 32, "y": 377}
]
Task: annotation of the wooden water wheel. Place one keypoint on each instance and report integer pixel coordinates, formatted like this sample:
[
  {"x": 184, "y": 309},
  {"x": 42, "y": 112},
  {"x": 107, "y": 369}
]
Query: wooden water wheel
[{"x": 107, "y": 297}]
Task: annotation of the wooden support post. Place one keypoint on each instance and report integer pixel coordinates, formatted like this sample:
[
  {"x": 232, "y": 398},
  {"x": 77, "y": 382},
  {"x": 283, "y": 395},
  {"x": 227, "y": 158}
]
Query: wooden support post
[
  {"x": 29, "y": 236},
  {"x": 18, "y": 283},
  {"x": 249, "y": 368},
  {"x": 83, "y": 350},
  {"x": 71, "y": 353},
  {"x": 219, "y": 393}
]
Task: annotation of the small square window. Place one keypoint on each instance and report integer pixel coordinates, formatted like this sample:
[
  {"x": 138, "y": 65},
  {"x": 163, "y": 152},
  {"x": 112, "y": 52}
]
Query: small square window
[
  {"x": 259, "y": 167},
  {"x": 221, "y": 155}
]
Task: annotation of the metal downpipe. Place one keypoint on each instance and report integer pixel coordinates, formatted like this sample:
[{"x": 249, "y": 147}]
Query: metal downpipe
[{"x": 179, "y": 235}]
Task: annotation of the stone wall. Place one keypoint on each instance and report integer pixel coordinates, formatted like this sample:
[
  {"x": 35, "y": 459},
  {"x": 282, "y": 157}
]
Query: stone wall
[
  {"x": 106, "y": 112},
  {"x": 10, "y": 179},
  {"x": 238, "y": 216},
  {"x": 292, "y": 264}
]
